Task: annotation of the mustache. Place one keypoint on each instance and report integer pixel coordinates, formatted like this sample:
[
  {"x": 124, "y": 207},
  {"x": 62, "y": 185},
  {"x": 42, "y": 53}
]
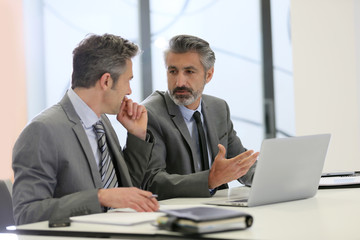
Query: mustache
[{"x": 182, "y": 89}]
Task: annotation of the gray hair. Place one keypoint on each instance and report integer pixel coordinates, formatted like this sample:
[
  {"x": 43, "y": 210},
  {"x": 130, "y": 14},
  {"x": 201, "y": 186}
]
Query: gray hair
[
  {"x": 96, "y": 55},
  {"x": 188, "y": 43}
]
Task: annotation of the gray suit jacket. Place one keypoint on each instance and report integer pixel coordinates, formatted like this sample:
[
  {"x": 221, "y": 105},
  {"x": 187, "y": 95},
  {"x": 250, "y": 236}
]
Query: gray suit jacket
[
  {"x": 55, "y": 169},
  {"x": 172, "y": 170}
]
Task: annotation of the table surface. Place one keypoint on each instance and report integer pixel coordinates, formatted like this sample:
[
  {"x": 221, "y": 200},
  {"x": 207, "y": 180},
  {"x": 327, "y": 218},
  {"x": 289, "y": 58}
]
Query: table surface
[{"x": 331, "y": 214}]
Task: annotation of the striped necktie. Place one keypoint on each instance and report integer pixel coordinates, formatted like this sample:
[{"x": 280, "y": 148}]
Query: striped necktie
[{"x": 107, "y": 170}]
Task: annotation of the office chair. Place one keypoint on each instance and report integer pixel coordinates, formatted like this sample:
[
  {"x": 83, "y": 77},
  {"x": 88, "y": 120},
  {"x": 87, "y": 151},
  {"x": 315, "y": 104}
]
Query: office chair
[{"x": 6, "y": 208}]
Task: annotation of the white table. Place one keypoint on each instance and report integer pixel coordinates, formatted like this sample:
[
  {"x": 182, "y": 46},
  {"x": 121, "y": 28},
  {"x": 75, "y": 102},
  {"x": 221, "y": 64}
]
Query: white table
[{"x": 331, "y": 214}]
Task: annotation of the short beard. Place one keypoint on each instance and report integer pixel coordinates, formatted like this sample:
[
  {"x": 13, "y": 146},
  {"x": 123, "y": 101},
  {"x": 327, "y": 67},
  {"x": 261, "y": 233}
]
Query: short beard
[{"x": 184, "y": 100}]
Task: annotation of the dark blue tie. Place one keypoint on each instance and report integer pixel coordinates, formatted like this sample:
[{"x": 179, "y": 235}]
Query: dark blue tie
[{"x": 202, "y": 141}]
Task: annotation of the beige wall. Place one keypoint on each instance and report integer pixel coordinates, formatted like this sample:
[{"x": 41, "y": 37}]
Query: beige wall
[
  {"x": 12, "y": 78},
  {"x": 326, "y": 41}
]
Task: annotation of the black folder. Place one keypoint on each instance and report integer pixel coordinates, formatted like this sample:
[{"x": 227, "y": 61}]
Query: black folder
[{"x": 198, "y": 220}]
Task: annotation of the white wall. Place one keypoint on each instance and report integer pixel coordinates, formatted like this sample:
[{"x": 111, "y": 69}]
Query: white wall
[{"x": 326, "y": 42}]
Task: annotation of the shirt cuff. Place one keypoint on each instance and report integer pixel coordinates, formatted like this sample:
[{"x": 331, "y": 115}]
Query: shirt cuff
[
  {"x": 212, "y": 191},
  {"x": 148, "y": 137}
]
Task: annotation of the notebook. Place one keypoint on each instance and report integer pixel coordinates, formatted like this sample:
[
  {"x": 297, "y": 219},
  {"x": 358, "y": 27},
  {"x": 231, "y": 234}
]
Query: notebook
[
  {"x": 198, "y": 220},
  {"x": 287, "y": 169}
]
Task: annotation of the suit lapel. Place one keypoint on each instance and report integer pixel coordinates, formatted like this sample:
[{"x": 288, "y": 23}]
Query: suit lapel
[
  {"x": 211, "y": 129},
  {"x": 82, "y": 138},
  {"x": 179, "y": 122}
]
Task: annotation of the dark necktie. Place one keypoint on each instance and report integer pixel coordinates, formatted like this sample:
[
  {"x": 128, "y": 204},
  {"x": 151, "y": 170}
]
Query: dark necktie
[
  {"x": 107, "y": 170},
  {"x": 202, "y": 141}
]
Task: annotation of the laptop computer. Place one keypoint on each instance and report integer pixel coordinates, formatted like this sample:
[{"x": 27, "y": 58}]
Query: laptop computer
[{"x": 287, "y": 169}]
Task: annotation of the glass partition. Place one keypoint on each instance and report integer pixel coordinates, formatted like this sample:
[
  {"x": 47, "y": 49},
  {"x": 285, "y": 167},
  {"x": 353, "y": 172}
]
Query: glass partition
[{"x": 232, "y": 27}]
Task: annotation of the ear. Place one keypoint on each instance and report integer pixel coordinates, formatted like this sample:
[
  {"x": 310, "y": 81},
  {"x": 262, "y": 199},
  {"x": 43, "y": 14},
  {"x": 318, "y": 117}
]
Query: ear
[
  {"x": 105, "y": 81},
  {"x": 209, "y": 74}
]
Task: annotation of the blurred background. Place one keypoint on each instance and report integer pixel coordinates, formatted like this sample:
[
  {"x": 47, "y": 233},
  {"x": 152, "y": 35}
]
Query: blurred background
[{"x": 38, "y": 36}]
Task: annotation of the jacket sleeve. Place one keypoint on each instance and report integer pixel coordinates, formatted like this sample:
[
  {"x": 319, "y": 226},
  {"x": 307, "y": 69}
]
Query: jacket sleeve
[
  {"x": 137, "y": 154},
  {"x": 158, "y": 178},
  {"x": 235, "y": 147},
  {"x": 36, "y": 165}
]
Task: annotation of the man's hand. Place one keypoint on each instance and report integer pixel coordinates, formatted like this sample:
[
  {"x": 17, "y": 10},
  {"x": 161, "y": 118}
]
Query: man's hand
[
  {"x": 139, "y": 200},
  {"x": 133, "y": 117},
  {"x": 225, "y": 170}
]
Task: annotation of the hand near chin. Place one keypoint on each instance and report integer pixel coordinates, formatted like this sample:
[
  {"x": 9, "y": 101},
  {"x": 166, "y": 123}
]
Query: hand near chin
[{"x": 133, "y": 117}]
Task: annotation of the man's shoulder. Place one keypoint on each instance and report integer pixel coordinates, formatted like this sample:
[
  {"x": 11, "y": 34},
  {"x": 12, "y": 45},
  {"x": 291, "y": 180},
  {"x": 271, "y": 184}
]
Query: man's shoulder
[
  {"x": 154, "y": 97},
  {"x": 48, "y": 122},
  {"x": 211, "y": 100},
  {"x": 48, "y": 113},
  {"x": 51, "y": 117},
  {"x": 155, "y": 101}
]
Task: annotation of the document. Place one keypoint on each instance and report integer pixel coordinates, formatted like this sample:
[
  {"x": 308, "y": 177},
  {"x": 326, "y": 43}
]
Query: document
[
  {"x": 124, "y": 216},
  {"x": 119, "y": 217},
  {"x": 340, "y": 179}
]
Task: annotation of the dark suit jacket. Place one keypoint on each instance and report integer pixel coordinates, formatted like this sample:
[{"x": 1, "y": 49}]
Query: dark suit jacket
[
  {"x": 172, "y": 170},
  {"x": 55, "y": 169}
]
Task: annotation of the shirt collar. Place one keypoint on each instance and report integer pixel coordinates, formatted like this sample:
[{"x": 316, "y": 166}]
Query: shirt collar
[
  {"x": 188, "y": 113},
  {"x": 87, "y": 115}
]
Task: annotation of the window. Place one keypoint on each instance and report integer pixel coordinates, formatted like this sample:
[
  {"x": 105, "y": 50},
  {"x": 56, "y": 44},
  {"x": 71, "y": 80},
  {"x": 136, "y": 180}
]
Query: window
[{"x": 232, "y": 27}]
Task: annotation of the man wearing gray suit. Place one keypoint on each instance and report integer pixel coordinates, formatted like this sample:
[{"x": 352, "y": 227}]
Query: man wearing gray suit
[
  {"x": 176, "y": 168},
  {"x": 62, "y": 166}
]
